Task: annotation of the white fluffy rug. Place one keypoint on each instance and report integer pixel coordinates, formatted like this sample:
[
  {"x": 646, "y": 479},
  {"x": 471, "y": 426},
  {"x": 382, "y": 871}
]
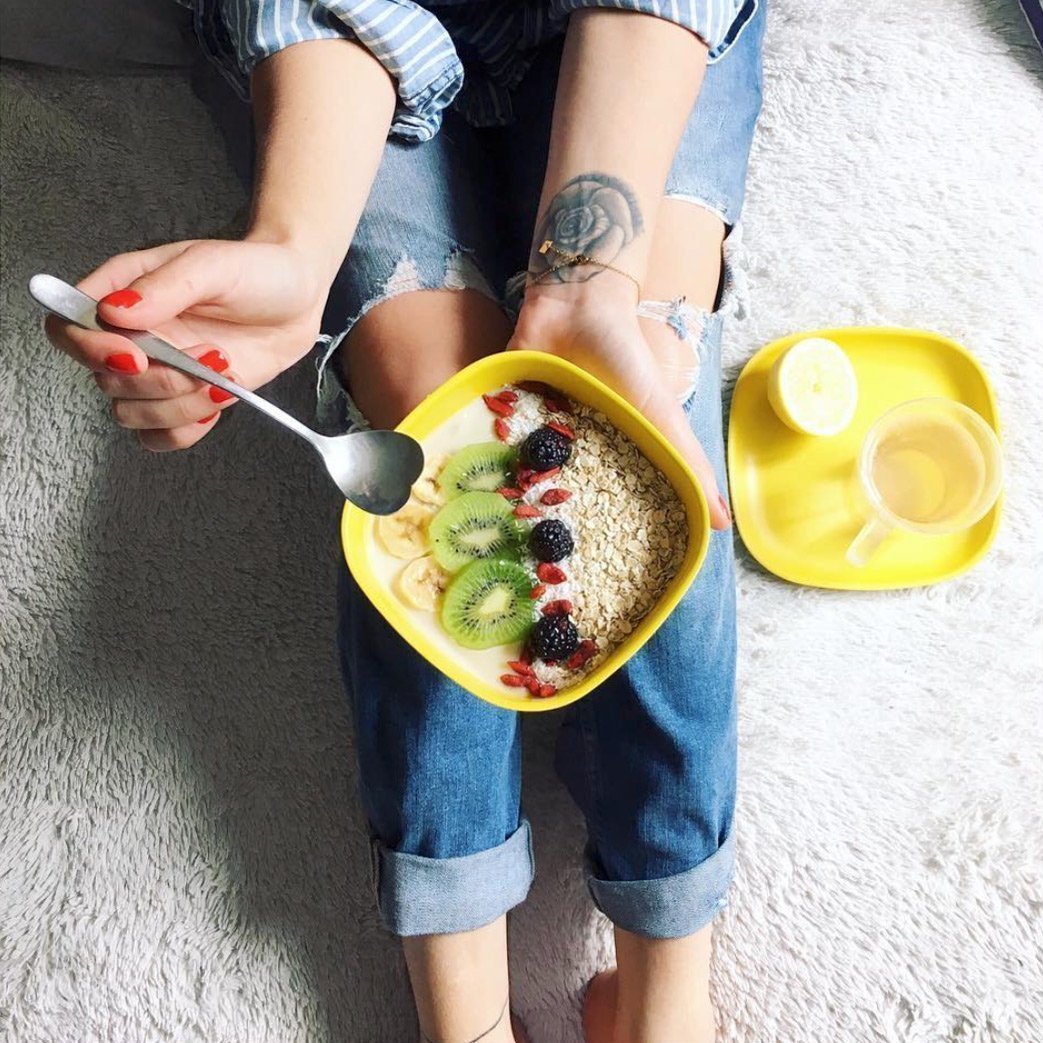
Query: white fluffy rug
[{"x": 181, "y": 855}]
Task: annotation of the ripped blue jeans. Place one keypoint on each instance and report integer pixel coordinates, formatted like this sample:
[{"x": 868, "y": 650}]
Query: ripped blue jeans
[{"x": 650, "y": 757}]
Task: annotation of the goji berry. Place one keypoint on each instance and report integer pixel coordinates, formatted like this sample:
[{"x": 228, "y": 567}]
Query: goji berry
[
  {"x": 503, "y": 408},
  {"x": 520, "y": 668},
  {"x": 547, "y": 572},
  {"x": 542, "y": 476},
  {"x": 532, "y": 683},
  {"x": 537, "y": 387},
  {"x": 538, "y": 591},
  {"x": 555, "y": 496},
  {"x": 561, "y": 607},
  {"x": 510, "y": 494},
  {"x": 556, "y": 405},
  {"x": 562, "y": 429},
  {"x": 507, "y": 396},
  {"x": 526, "y": 656},
  {"x": 547, "y": 690},
  {"x": 513, "y": 680},
  {"x": 503, "y": 431},
  {"x": 584, "y": 651},
  {"x": 523, "y": 510}
]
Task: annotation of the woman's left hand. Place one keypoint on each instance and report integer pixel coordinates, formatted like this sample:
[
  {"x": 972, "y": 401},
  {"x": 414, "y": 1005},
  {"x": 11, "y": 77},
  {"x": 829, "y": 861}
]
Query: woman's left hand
[{"x": 601, "y": 334}]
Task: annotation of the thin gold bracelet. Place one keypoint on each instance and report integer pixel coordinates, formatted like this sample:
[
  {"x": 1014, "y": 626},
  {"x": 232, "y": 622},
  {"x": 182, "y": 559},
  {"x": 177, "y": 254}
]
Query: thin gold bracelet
[{"x": 571, "y": 260}]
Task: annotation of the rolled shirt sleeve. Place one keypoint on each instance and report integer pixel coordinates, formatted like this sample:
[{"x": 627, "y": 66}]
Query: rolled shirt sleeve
[
  {"x": 408, "y": 40},
  {"x": 717, "y": 23}
]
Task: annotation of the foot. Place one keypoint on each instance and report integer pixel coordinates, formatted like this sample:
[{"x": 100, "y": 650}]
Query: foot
[
  {"x": 599, "y": 1012},
  {"x": 599, "y": 1008}
]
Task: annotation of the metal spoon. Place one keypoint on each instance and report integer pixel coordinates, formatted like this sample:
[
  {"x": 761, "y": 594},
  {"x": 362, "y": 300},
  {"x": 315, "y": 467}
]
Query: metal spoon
[{"x": 373, "y": 469}]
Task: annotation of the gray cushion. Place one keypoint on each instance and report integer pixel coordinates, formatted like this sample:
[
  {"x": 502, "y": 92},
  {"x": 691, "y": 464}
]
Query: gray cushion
[{"x": 97, "y": 35}]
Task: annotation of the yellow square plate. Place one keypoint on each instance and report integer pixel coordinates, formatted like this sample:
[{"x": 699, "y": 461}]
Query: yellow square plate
[
  {"x": 486, "y": 375},
  {"x": 795, "y": 497}
]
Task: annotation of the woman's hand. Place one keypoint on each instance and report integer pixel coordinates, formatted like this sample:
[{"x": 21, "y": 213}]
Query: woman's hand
[
  {"x": 249, "y": 309},
  {"x": 600, "y": 333}
]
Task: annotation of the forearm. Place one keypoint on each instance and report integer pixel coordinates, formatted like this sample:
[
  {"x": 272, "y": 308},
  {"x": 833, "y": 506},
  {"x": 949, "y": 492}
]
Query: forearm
[
  {"x": 626, "y": 88},
  {"x": 322, "y": 110}
]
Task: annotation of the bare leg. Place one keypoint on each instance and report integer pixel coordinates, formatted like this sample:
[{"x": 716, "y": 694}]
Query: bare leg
[
  {"x": 685, "y": 262},
  {"x": 404, "y": 348},
  {"x": 400, "y": 351},
  {"x": 460, "y": 984},
  {"x": 659, "y": 992}
]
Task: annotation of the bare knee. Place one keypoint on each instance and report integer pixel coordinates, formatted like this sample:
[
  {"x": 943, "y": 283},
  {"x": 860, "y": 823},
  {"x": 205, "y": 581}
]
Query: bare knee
[
  {"x": 680, "y": 290},
  {"x": 404, "y": 348},
  {"x": 673, "y": 329}
]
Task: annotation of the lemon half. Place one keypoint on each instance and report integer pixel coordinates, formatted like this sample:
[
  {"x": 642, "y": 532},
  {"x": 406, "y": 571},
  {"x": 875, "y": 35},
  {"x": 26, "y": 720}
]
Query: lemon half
[{"x": 813, "y": 387}]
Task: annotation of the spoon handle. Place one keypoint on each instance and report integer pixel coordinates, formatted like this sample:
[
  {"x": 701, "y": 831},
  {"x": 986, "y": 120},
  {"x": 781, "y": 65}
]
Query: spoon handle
[{"x": 75, "y": 306}]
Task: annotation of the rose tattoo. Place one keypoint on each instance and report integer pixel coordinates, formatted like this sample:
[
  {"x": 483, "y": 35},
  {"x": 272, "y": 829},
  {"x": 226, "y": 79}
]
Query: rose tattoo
[{"x": 593, "y": 214}]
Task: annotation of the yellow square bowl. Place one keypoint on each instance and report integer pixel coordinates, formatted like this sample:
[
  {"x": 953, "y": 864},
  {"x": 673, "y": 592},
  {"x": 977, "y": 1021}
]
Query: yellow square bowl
[{"x": 490, "y": 374}]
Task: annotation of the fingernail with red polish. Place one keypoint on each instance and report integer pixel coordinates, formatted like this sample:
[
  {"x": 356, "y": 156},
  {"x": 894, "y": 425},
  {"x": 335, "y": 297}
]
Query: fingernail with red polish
[
  {"x": 122, "y": 298},
  {"x": 207, "y": 419},
  {"x": 724, "y": 506},
  {"x": 219, "y": 395},
  {"x": 214, "y": 360},
  {"x": 122, "y": 362}
]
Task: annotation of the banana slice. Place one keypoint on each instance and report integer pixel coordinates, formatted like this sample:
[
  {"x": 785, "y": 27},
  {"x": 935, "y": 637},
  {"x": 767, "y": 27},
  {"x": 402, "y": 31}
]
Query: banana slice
[
  {"x": 426, "y": 487},
  {"x": 422, "y": 582},
  {"x": 404, "y": 533}
]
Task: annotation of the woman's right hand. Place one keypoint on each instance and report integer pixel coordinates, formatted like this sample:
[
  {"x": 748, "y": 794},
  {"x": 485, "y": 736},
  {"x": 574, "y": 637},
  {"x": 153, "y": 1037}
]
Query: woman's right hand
[{"x": 249, "y": 309}]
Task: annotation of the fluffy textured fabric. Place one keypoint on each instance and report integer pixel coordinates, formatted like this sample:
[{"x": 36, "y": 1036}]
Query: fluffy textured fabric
[{"x": 181, "y": 854}]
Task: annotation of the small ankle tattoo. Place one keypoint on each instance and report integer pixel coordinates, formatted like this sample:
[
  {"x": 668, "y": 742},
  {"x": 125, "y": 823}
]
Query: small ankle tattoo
[{"x": 495, "y": 1025}]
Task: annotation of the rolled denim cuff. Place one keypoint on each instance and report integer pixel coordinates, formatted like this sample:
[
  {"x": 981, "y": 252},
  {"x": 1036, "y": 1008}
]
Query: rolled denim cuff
[
  {"x": 418, "y": 895},
  {"x": 671, "y": 906}
]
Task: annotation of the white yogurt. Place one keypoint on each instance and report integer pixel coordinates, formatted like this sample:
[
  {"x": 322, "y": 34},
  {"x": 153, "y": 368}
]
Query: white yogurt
[{"x": 473, "y": 423}]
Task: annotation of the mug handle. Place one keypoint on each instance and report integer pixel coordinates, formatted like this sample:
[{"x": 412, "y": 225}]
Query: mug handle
[{"x": 864, "y": 545}]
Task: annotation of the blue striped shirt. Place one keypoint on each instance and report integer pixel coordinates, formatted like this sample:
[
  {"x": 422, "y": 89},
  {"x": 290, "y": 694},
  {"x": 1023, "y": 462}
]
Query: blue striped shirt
[{"x": 469, "y": 53}]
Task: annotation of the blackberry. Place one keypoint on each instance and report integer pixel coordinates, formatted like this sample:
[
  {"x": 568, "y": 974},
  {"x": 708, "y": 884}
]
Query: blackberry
[
  {"x": 545, "y": 448},
  {"x": 550, "y": 540},
  {"x": 554, "y": 637}
]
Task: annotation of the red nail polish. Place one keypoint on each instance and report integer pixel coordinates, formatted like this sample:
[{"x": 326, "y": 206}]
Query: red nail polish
[
  {"x": 219, "y": 395},
  {"x": 122, "y": 362},
  {"x": 724, "y": 505},
  {"x": 207, "y": 419},
  {"x": 122, "y": 298},
  {"x": 214, "y": 360}
]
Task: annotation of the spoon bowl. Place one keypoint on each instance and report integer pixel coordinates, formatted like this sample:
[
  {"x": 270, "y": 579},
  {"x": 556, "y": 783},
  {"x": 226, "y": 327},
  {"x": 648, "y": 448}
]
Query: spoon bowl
[{"x": 375, "y": 470}]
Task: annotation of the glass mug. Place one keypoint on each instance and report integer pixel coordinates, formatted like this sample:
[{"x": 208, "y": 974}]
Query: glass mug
[{"x": 930, "y": 465}]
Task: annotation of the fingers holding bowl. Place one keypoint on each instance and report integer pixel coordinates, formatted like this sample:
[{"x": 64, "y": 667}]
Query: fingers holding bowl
[{"x": 666, "y": 413}]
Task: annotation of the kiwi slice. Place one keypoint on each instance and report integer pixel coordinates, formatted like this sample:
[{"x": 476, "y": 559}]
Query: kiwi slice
[
  {"x": 488, "y": 604},
  {"x": 474, "y": 526},
  {"x": 485, "y": 467}
]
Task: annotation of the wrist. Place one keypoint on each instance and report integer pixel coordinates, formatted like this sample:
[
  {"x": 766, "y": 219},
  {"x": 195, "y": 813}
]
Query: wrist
[
  {"x": 316, "y": 255},
  {"x": 605, "y": 291},
  {"x": 551, "y": 311}
]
